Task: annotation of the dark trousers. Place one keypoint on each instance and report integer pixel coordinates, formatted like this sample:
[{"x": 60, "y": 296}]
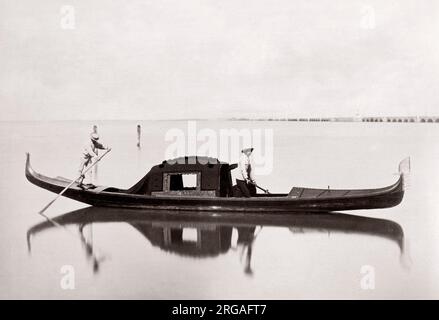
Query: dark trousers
[{"x": 244, "y": 189}]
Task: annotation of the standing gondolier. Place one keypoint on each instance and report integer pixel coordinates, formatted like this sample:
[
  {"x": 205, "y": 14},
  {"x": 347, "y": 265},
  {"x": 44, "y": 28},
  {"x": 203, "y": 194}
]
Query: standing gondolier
[
  {"x": 247, "y": 173},
  {"x": 89, "y": 156}
]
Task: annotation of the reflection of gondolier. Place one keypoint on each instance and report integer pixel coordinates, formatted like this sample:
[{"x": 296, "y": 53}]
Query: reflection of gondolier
[
  {"x": 89, "y": 155},
  {"x": 248, "y": 186},
  {"x": 246, "y": 237}
]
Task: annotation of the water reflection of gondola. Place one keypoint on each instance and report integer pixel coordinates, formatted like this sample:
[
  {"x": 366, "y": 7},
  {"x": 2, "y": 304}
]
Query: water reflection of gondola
[{"x": 212, "y": 233}]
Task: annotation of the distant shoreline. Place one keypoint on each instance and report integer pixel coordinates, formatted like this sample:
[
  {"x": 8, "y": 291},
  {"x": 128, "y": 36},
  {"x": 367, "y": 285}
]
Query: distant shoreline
[
  {"x": 390, "y": 119},
  {"x": 418, "y": 119}
]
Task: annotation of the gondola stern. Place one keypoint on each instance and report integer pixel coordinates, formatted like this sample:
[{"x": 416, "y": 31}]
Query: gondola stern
[
  {"x": 29, "y": 172},
  {"x": 404, "y": 169},
  {"x": 27, "y": 160}
]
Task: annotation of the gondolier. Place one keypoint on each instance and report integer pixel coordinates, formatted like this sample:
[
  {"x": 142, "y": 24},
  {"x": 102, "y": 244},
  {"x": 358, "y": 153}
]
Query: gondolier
[
  {"x": 247, "y": 173},
  {"x": 89, "y": 156}
]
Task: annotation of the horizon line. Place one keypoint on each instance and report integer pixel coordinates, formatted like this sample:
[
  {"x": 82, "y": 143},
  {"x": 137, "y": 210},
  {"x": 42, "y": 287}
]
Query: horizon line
[{"x": 272, "y": 118}]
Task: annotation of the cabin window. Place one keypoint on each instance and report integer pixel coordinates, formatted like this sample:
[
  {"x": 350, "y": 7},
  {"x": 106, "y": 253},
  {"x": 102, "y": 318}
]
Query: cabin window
[
  {"x": 190, "y": 181},
  {"x": 182, "y": 181}
]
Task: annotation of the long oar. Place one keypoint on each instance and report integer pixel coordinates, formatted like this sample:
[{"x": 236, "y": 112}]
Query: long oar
[
  {"x": 71, "y": 183},
  {"x": 260, "y": 188}
]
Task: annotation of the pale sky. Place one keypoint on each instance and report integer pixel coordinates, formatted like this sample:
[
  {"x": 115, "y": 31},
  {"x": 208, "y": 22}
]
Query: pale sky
[{"x": 168, "y": 59}]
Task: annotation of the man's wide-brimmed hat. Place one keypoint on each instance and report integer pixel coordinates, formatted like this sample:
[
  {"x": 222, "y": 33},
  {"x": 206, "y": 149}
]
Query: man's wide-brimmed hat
[
  {"x": 247, "y": 150},
  {"x": 94, "y": 136}
]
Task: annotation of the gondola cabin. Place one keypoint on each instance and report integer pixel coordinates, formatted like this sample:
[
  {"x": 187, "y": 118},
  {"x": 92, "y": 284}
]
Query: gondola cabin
[{"x": 187, "y": 176}]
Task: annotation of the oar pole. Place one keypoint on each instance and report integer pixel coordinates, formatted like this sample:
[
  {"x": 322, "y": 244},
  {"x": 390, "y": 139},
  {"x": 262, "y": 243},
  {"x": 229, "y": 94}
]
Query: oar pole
[
  {"x": 260, "y": 188},
  {"x": 72, "y": 183}
]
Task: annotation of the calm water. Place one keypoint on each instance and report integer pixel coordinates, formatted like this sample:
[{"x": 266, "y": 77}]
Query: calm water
[{"x": 125, "y": 254}]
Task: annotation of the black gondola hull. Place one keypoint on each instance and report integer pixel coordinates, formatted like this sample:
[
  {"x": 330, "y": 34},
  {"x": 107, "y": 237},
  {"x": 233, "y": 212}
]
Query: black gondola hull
[{"x": 361, "y": 199}]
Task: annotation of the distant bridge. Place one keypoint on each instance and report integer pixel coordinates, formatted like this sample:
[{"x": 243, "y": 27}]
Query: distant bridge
[
  {"x": 422, "y": 119},
  {"x": 401, "y": 119}
]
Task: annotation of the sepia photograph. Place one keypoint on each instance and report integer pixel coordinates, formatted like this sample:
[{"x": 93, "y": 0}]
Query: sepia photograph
[{"x": 219, "y": 150}]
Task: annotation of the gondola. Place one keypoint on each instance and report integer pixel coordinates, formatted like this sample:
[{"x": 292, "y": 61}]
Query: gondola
[{"x": 205, "y": 184}]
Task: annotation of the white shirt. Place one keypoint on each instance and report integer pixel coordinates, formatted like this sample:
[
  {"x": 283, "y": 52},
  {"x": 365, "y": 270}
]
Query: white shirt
[
  {"x": 90, "y": 148},
  {"x": 246, "y": 167}
]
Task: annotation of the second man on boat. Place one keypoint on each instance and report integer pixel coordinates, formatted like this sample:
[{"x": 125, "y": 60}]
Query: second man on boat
[{"x": 247, "y": 187}]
